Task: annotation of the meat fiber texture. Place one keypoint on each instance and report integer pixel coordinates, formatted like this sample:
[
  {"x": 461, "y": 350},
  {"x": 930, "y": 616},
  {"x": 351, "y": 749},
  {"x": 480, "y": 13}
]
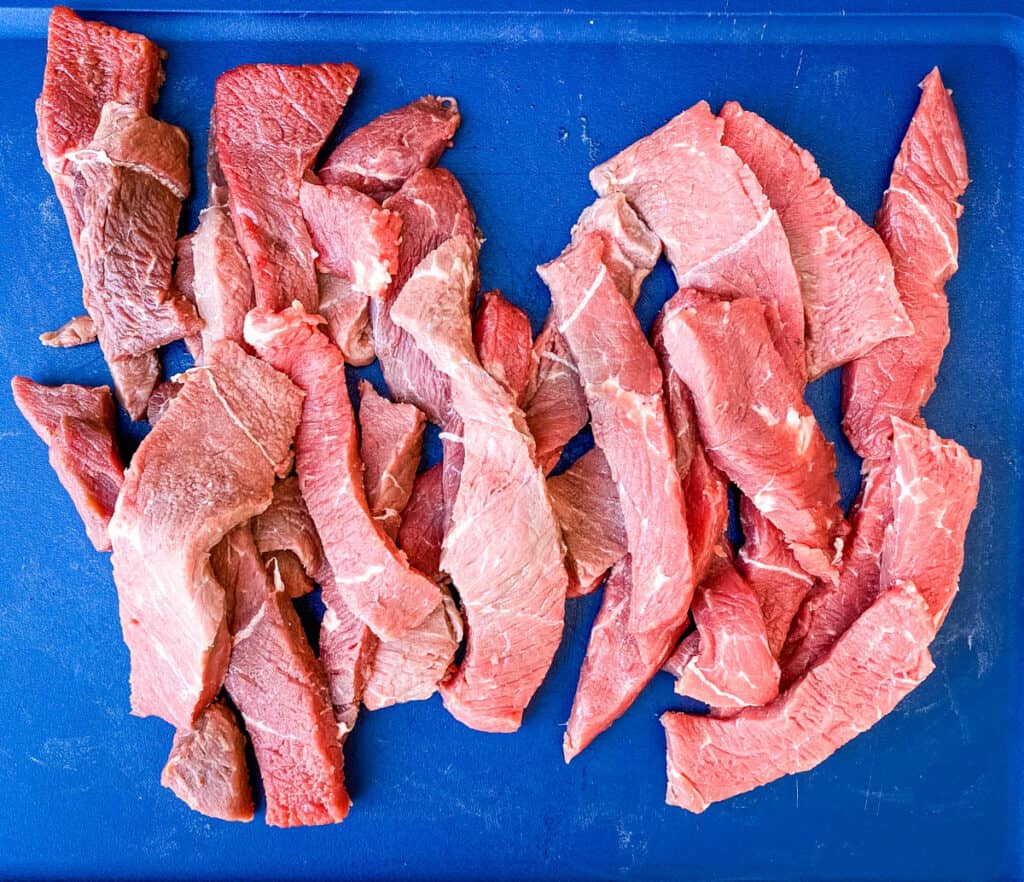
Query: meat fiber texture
[
  {"x": 281, "y": 691},
  {"x": 755, "y": 423},
  {"x": 161, "y": 399},
  {"x": 917, "y": 222},
  {"x": 372, "y": 577},
  {"x": 846, "y": 276},
  {"x": 76, "y": 331},
  {"x": 513, "y": 590},
  {"x": 719, "y": 231},
  {"x": 623, "y": 384},
  {"x": 504, "y": 342},
  {"x": 286, "y": 526},
  {"x": 77, "y": 424},
  {"x": 421, "y": 533},
  {"x": 381, "y": 156},
  {"x": 207, "y": 770},
  {"x": 231, "y": 425},
  {"x": 271, "y": 121},
  {"x": 347, "y": 313}
]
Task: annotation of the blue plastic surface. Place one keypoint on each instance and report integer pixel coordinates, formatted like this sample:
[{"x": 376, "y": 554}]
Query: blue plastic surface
[{"x": 932, "y": 792}]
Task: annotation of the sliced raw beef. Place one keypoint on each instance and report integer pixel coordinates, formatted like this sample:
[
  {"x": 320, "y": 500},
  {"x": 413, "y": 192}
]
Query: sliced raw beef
[
  {"x": 423, "y": 523},
  {"x": 281, "y": 691},
  {"x": 778, "y": 581},
  {"x": 719, "y": 231},
  {"x": 161, "y": 399},
  {"x": 726, "y": 662},
  {"x": 846, "y": 278},
  {"x": 286, "y": 525},
  {"x": 391, "y": 438},
  {"x": 433, "y": 208},
  {"x": 347, "y": 646},
  {"x": 755, "y": 424},
  {"x": 503, "y": 550},
  {"x": 917, "y": 222},
  {"x": 285, "y": 567},
  {"x": 183, "y": 285},
  {"x": 623, "y": 384},
  {"x": 77, "y": 424},
  {"x": 353, "y": 236},
  {"x": 381, "y": 156},
  {"x": 221, "y": 284},
  {"x": 74, "y": 332},
  {"x": 348, "y": 319},
  {"x": 877, "y": 662},
  {"x": 585, "y": 499},
  {"x": 504, "y": 342},
  {"x": 271, "y": 121},
  {"x": 218, "y": 447},
  {"x": 207, "y": 769},
  {"x": 372, "y": 575}
]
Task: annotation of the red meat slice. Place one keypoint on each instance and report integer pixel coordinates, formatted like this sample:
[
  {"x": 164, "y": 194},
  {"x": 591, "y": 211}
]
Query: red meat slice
[
  {"x": 271, "y": 121},
  {"x": 286, "y": 568},
  {"x": 347, "y": 313},
  {"x": 207, "y": 769},
  {"x": 917, "y": 222},
  {"x": 281, "y": 691},
  {"x": 503, "y": 550},
  {"x": 353, "y": 236},
  {"x": 77, "y": 424},
  {"x": 373, "y": 578},
  {"x": 75, "y": 332},
  {"x": 504, "y": 342},
  {"x": 718, "y": 229},
  {"x": 346, "y": 652},
  {"x": 877, "y": 662},
  {"x": 755, "y": 424},
  {"x": 423, "y": 523},
  {"x": 172, "y": 608},
  {"x": 846, "y": 278},
  {"x": 381, "y": 156},
  {"x": 161, "y": 399},
  {"x": 286, "y": 526},
  {"x": 623, "y": 384}
]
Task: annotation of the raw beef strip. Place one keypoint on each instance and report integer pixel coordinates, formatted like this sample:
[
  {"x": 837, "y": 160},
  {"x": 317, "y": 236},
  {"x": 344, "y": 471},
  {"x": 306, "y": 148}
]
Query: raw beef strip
[
  {"x": 877, "y": 662},
  {"x": 770, "y": 569},
  {"x": 271, "y": 121},
  {"x": 726, "y": 662},
  {"x": 347, "y": 647},
  {"x": 353, "y": 236},
  {"x": 433, "y": 208},
  {"x": 288, "y": 569},
  {"x": 917, "y": 222},
  {"x": 286, "y": 525},
  {"x": 161, "y": 399},
  {"x": 348, "y": 319},
  {"x": 183, "y": 285},
  {"x": 221, "y": 285},
  {"x": 74, "y": 332},
  {"x": 504, "y": 342},
  {"x": 381, "y": 156},
  {"x": 207, "y": 769},
  {"x": 391, "y": 438},
  {"x": 423, "y": 523},
  {"x": 281, "y": 691},
  {"x": 718, "y": 229},
  {"x": 846, "y": 278},
  {"x": 208, "y": 465},
  {"x": 755, "y": 424},
  {"x": 503, "y": 550},
  {"x": 372, "y": 575},
  {"x": 585, "y": 499},
  {"x": 623, "y": 384},
  {"x": 77, "y": 424}
]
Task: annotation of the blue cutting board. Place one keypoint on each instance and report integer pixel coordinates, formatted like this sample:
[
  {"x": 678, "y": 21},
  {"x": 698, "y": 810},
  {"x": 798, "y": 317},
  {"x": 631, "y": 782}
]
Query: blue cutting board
[{"x": 932, "y": 792}]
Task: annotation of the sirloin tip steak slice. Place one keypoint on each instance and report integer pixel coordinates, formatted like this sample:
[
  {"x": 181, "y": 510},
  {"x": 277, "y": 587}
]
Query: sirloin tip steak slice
[
  {"x": 348, "y": 319},
  {"x": 504, "y": 342},
  {"x": 271, "y": 121},
  {"x": 917, "y": 222},
  {"x": 373, "y": 576},
  {"x": 423, "y": 523},
  {"x": 285, "y": 525},
  {"x": 208, "y": 465},
  {"x": 381, "y": 156},
  {"x": 503, "y": 549}
]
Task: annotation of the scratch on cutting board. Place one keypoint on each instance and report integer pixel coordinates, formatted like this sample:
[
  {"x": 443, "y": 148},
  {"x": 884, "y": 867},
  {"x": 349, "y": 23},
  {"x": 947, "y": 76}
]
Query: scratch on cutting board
[
  {"x": 593, "y": 146},
  {"x": 796, "y": 782},
  {"x": 799, "y": 65}
]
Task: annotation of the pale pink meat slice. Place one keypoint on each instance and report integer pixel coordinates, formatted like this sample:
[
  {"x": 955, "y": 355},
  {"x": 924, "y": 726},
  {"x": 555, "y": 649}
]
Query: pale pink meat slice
[
  {"x": 348, "y": 319},
  {"x": 74, "y": 332}
]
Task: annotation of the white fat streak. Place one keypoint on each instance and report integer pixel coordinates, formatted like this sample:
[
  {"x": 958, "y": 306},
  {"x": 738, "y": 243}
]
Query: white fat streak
[
  {"x": 370, "y": 276},
  {"x": 234, "y": 417},
  {"x": 934, "y": 221},
  {"x": 246, "y": 632},
  {"x": 588, "y": 294},
  {"x": 365, "y": 575},
  {"x": 566, "y": 363},
  {"x": 729, "y": 249},
  {"x": 766, "y": 414},
  {"x": 270, "y": 730},
  {"x": 451, "y": 436}
]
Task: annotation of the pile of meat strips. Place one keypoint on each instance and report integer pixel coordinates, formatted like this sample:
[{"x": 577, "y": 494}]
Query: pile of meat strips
[{"x": 257, "y": 482}]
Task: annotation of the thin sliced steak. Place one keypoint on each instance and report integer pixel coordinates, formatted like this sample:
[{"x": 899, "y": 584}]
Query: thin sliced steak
[
  {"x": 719, "y": 231},
  {"x": 207, "y": 770},
  {"x": 220, "y": 444},
  {"x": 423, "y": 523},
  {"x": 504, "y": 342},
  {"x": 77, "y": 424},
  {"x": 281, "y": 691},
  {"x": 917, "y": 222},
  {"x": 221, "y": 285},
  {"x": 271, "y": 121},
  {"x": 623, "y": 384},
  {"x": 74, "y": 332},
  {"x": 755, "y": 424},
  {"x": 381, "y": 156},
  {"x": 503, "y": 550},
  {"x": 348, "y": 319},
  {"x": 846, "y": 277},
  {"x": 373, "y": 577},
  {"x": 161, "y": 399},
  {"x": 347, "y": 647},
  {"x": 285, "y": 567},
  {"x": 286, "y": 525},
  {"x": 183, "y": 285},
  {"x": 877, "y": 662}
]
